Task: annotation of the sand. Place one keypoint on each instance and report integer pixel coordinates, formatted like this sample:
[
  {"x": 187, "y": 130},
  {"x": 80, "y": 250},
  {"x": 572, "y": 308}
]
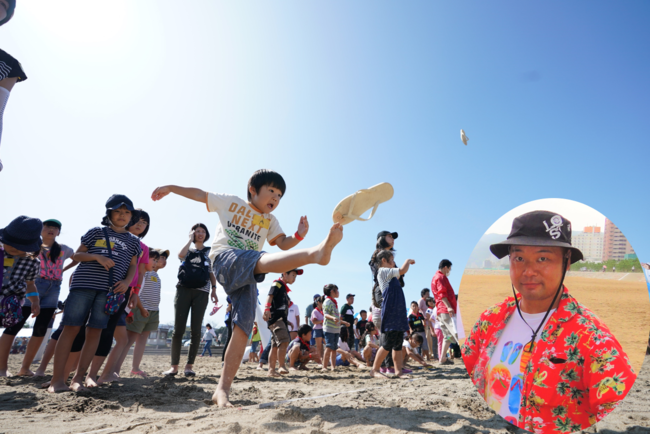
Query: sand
[
  {"x": 620, "y": 300},
  {"x": 441, "y": 401}
]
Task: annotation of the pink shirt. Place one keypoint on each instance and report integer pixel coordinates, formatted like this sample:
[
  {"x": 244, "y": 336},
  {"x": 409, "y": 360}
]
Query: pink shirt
[
  {"x": 316, "y": 315},
  {"x": 144, "y": 259}
]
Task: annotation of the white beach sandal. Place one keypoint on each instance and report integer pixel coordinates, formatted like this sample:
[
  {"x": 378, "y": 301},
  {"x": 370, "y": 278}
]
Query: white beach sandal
[{"x": 355, "y": 205}]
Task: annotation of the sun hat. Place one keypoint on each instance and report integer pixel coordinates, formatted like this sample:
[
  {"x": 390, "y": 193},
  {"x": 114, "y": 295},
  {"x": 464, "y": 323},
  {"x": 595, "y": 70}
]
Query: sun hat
[
  {"x": 23, "y": 233},
  {"x": 116, "y": 201},
  {"x": 385, "y": 233},
  {"x": 164, "y": 252},
  {"x": 10, "y": 11},
  {"x": 538, "y": 228},
  {"x": 52, "y": 223},
  {"x": 352, "y": 207}
]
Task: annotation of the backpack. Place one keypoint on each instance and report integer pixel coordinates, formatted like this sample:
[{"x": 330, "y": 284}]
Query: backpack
[{"x": 195, "y": 270}]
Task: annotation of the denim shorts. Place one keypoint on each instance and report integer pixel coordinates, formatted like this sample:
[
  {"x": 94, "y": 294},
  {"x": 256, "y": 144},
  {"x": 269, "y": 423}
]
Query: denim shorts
[
  {"x": 80, "y": 302},
  {"x": 234, "y": 271},
  {"x": 122, "y": 320},
  {"x": 340, "y": 362},
  {"x": 48, "y": 293},
  {"x": 254, "y": 346},
  {"x": 332, "y": 340},
  {"x": 317, "y": 333}
]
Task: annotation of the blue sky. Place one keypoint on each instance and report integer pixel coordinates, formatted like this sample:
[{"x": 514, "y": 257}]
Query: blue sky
[{"x": 335, "y": 96}]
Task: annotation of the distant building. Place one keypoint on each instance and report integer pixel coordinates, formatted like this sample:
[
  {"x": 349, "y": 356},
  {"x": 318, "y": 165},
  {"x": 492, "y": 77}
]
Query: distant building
[
  {"x": 591, "y": 242},
  {"x": 616, "y": 244},
  {"x": 487, "y": 264}
]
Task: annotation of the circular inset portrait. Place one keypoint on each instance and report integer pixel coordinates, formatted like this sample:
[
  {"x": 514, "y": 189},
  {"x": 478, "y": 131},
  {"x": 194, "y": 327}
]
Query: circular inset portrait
[{"x": 555, "y": 314}]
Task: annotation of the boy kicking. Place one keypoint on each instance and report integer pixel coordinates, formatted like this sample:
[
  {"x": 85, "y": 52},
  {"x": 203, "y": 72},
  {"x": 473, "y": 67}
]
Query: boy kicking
[{"x": 238, "y": 262}]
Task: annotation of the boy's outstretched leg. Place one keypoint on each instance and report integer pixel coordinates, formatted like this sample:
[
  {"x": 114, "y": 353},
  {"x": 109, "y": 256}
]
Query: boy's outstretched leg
[
  {"x": 234, "y": 355},
  {"x": 282, "y": 261}
]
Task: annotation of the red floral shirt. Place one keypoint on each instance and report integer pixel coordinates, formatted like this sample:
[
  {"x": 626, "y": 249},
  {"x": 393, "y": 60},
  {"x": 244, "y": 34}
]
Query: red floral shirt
[{"x": 577, "y": 374}]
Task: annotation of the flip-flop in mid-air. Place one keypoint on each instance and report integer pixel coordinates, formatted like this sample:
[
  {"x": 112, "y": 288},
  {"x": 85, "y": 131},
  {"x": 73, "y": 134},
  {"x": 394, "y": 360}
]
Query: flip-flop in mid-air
[{"x": 355, "y": 205}]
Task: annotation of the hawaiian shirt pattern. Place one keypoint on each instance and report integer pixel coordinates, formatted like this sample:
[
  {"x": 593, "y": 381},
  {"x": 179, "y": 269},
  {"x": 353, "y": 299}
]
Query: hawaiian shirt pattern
[{"x": 581, "y": 373}]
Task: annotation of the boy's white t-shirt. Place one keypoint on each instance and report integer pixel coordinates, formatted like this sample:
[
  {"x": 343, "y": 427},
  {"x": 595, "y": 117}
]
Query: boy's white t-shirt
[
  {"x": 407, "y": 344},
  {"x": 505, "y": 374},
  {"x": 240, "y": 225},
  {"x": 291, "y": 317}
]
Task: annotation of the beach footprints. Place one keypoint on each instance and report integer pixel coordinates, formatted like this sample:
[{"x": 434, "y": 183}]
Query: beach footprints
[{"x": 501, "y": 381}]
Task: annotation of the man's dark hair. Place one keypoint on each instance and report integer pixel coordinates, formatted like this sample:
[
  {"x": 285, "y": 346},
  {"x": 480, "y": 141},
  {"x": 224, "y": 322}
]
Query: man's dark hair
[
  {"x": 362, "y": 311},
  {"x": 328, "y": 289},
  {"x": 304, "y": 329},
  {"x": 200, "y": 225},
  {"x": 264, "y": 177},
  {"x": 444, "y": 263},
  {"x": 384, "y": 255},
  {"x": 424, "y": 291}
]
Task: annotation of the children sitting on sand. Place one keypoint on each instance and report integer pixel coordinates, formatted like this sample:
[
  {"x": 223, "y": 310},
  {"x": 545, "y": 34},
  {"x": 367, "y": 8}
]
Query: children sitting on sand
[
  {"x": 237, "y": 257},
  {"x": 371, "y": 344},
  {"x": 346, "y": 356},
  {"x": 299, "y": 352}
]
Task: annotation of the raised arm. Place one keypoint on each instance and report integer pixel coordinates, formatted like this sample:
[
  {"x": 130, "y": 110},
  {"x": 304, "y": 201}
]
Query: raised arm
[
  {"x": 188, "y": 192},
  {"x": 405, "y": 266}
]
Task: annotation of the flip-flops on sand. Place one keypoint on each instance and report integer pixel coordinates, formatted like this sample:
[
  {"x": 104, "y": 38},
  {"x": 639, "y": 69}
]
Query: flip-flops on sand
[
  {"x": 352, "y": 207},
  {"x": 139, "y": 373}
]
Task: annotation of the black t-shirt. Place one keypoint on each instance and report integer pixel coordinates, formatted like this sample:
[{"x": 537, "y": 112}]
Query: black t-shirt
[
  {"x": 345, "y": 315},
  {"x": 416, "y": 322},
  {"x": 361, "y": 328},
  {"x": 280, "y": 302}
]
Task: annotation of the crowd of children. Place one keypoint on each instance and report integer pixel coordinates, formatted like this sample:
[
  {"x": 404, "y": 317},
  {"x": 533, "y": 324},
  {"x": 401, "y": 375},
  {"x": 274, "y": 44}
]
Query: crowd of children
[{"x": 115, "y": 294}]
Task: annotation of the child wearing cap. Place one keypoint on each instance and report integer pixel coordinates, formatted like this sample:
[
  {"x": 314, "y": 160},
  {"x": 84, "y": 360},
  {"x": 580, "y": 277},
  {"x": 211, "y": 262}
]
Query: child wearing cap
[
  {"x": 276, "y": 312},
  {"x": 100, "y": 271},
  {"x": 237, "y": 257},
  {"x": 20, "y": 242},
  {"x": 393, "y": 312}
]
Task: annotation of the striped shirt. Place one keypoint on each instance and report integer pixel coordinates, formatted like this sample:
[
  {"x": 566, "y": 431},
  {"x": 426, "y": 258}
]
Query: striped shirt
[
  {"x": 90, "y": 274},
  {"x": 150, "y": 292},
  {"x": 16, "y": 272},
  {"x": 330, "y": 308}
]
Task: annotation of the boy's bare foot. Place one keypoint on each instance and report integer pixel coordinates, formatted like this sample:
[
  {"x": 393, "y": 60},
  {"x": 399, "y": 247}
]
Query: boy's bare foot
[
  {"x": 56, "y": 388},
  {"x": 378, "y": 375},
  {"x": 273, "y": 374},
  {"x": 76, "y": 386},
  {"x": 5, "y": 374},
  {"x": 39, "y": 373},
  {"x": 283, "y": 371},
  {"x": 90, "y": 382},
  {"x": 108, "y": 378},
  {"x": 220, "y": 397},
  {"x": 402, "y": 376},
  {"x": 324, "y": 250},
  {"x": 25, "y": 372},
  {"x": 332, "y": 369}
]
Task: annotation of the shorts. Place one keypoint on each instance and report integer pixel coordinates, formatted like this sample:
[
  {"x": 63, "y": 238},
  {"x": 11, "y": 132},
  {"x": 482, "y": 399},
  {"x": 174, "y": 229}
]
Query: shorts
[
  {"x": 340, "y": 362},
  {"x": 10, "y": 67},
  {"x": 122, "y": 320},
  {"x": 279, "y": 333},
  {"x": 425, "y": 343},
  {"x": 332, "y": 340},
  {"x": 317, "y": 333},
  {"x": 56, "y": 334},
  {"x": 234, "y": 271},
  {"x": 142, "y": 324},
  {"x": 48, "y": 293},
  {"x": 392, "y": 340},
  {"x": 80, "y": 303},
  {"x": 254, "y": 346},
  {"x": 447, "y": 327}
]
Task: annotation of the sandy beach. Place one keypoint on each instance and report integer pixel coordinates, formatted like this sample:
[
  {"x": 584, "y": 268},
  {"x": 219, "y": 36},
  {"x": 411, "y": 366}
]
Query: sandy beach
[{"x": 442, "y": 400}]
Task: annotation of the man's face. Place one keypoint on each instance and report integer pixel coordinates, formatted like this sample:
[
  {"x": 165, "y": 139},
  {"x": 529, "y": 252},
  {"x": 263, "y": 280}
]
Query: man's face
[
  {"x": 536, "y": 272},
  {"x": 350, "y": 300},
  {"x": 426, "y": 296}
]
